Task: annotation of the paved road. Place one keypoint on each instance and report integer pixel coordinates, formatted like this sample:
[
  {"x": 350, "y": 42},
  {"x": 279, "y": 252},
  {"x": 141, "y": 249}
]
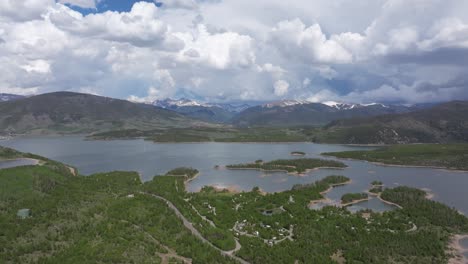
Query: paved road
[{"x": 196, "y": 233}]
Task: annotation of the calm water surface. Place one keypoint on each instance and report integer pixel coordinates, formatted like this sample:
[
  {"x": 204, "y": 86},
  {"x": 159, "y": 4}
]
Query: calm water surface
[
  {"x": 15, "y": 163},
  {"x": 151, "y": 159},
  {"x": 464, "y": 243}
]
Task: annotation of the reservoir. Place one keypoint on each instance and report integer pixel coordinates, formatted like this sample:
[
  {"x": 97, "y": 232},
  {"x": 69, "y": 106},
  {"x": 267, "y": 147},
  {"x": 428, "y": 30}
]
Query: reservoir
[
  {"x": 150, "y": 159},
  {"x": 16, "y": 162}
]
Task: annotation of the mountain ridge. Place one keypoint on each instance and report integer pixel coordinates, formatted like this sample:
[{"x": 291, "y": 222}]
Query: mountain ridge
[
  {"x": 69, "y": 112},
  {"x": 302, "y": 113},
  {"x": 4, "y": 97}
]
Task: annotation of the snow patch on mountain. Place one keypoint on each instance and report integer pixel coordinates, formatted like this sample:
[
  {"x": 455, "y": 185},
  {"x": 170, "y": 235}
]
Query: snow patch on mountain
[
  {"x": 375, "y": 104},
  {"x": 341, "y": 106},
  {"x": 171, "y": 103},
  {"x": 178, "y": 103},
  {"x": 285, "y": 103}
]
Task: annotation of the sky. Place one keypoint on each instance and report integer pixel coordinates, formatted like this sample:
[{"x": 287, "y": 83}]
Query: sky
[{"x": 357, "y": 51}]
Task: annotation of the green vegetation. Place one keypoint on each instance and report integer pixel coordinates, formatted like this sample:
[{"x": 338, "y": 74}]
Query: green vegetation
[
  {"x": 90, "y": 219},
  {"x": 375, "y": 183},
  {"x": 173, "y": 189},
  {"x": 183, "y": 171},
  {"x": 292, "y": 165},
  {"x": 376, "y": 189},
  {"x": 425, "y": 212},
  {"x": 451, "y": 156},
  {"x": 8, "y": 153},
  {"x": 210, "y": 134},
  {"x": 114, "y": 218},
  {"x": 327, "y": 182},
  {"x": 352, "y": 197},
  {"x": 298, "y": 153}
]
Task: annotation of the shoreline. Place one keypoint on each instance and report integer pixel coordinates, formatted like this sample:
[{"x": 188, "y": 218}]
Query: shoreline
[
  {"x": 388, "y": 202},
  {"x": 37, "y": 161},
  {"x": 399, "y": 165},
  {"x": 189, "y": 180},
  {"x": 323, "y": 193},
  {"x": 355, "y": 202},
  {"x": 457, "y": 249},
  {"x": 336, "y": 185}
]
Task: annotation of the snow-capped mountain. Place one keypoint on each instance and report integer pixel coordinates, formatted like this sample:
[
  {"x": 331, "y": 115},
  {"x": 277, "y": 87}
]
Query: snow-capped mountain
[
  {"x": 183, "y": 102},
  {"x": 285, "y": 103},
  {"x": 219, "y": 113},
  {"x": 9, "y": 97},
  {"x": 341, "y": 106},
  {"x": 306, "y": 113},
  {"x": 336, "y": 105},
  {"x": 171, "y": 103},
  {"x": 347, "y": 106}
]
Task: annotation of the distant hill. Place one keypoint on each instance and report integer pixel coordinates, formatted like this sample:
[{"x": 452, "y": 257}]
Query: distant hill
[
  {"x": 300, "y": 113},
  {"x": 447, "y": 122},
  {"x": 9, "y": 97},
  {"x": 67, "y": 112}
]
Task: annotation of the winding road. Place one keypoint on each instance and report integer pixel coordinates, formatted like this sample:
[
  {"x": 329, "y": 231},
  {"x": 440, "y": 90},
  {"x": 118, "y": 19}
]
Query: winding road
[{"x": 196, "y": 233}]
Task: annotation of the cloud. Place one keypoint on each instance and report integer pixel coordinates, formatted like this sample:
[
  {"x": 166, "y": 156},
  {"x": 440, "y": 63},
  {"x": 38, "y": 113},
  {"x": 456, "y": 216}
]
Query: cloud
[
  {"x": 139, "y": 27},
  {"x": 450, "y": 32},
  {"x": 293, "y": 38},
  {"x": 23, "y": 10},
  {"x": 281, "y": 87},
  {"x": 152, "y": 95},
  {"x": 416, "y": 93},
  {"x": 20, "y": 90},
  {"x": 183, "y": 4},
  {"x": 39, "y": 66},
  {"x": 218, "y": 50},
  {"x": 91, "y": 4},
  {"x": 378, "y": 50}
]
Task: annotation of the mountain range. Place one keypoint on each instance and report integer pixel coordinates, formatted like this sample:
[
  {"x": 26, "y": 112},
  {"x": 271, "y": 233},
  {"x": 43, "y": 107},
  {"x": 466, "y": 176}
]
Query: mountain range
[
  {"x": 303, "y": 113},
  {"x": 210, "y": 112},
  {"x": 446, "y": 122},
  {"x": 281, "y": 113},
  {"x": 68, "y": 113}
]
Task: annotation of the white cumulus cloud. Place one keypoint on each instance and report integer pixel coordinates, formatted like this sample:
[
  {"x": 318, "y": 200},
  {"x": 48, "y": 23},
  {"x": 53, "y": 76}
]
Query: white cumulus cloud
[{"x": 281, "y": 87}]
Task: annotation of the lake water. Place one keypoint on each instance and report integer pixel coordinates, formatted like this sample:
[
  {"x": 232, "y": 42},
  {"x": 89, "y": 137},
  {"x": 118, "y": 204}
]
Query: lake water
[
  {"x": 151, "y": 159},
  {"x": 464, "y": 243},
  {"x": 17, "y": 162}
]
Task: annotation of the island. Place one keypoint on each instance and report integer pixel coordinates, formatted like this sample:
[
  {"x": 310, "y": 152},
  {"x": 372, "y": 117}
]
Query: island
[{"x": 295, "y": 166}]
